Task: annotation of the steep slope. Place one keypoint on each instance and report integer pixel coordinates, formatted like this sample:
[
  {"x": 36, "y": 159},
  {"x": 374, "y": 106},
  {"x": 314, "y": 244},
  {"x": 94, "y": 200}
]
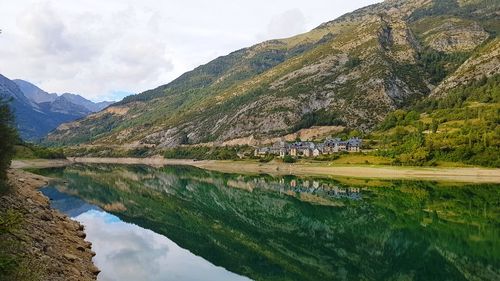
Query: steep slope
[{"x": 351, "y": 71}]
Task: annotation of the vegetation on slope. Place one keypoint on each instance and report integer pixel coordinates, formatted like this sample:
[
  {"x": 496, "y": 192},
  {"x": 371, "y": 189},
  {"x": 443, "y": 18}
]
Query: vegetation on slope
[
  {"x": 31, "y": 151},
  {"x": 460, "y": 127},
  {"x": 13, "y": 266},
  {"x": 8, "y": 137}
]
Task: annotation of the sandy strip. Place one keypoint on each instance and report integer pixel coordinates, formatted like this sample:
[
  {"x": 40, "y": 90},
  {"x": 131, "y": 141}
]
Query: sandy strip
[
  {"x": 471, "y": 175},
  {"x": 39, "y": 163}
]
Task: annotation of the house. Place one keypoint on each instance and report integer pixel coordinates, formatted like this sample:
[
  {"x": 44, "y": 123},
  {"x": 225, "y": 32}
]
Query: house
[
  {"x": 310, "y": 149},
  {"x": 283, "y": 152},
  {"x": 354, "y": 144},
  {"x": 261, "y": 151},
  {"x": 342, "y": 146}
]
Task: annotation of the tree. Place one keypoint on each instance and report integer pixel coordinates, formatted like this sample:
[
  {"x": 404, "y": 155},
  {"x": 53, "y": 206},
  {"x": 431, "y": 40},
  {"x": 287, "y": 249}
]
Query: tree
[
  {"x": 8, "y": 137},
  {"x": 434, "y": 125},
  {"x": 354, "y": 134},
  {"x": 288, "y": 159}
]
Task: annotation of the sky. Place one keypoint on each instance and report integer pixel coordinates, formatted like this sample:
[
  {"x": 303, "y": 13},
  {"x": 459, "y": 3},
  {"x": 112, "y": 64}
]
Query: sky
[{"x": 105, "y": 50}]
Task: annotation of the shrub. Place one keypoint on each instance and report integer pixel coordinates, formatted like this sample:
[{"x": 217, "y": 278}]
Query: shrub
[{"x": 288, "y": 159}]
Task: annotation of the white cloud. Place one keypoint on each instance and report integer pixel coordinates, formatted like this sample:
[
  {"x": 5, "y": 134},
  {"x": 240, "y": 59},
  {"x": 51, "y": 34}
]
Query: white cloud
[
  {"x": 127, "y": 252},
  {"x": 289, "y": 23},
  {"x": 100, "y": 48}
]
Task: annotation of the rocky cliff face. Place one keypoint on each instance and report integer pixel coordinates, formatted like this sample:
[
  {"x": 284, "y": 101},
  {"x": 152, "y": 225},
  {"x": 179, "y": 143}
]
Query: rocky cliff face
[
  {"x": 351, "y": 71},
  {"x": 484, "y": 63}
]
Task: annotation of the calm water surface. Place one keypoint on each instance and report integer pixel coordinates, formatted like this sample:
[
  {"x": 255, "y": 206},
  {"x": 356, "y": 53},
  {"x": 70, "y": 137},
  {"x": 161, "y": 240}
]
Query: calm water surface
[{"x": 184, "y": 223}]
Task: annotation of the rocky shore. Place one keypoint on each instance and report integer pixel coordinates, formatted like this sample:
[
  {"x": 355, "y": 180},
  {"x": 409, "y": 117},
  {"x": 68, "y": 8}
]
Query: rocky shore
[{"x": 53, "y": 244}]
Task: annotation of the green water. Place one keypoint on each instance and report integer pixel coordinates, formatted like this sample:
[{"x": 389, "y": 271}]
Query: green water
[{"x": 299, "y": 228}]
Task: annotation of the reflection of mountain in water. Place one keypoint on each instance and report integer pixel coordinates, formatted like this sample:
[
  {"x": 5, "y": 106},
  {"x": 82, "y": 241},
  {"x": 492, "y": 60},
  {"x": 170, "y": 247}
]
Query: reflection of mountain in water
[
  {"x": 285, "y": 229},
  {"x": 70, "y": 205}
]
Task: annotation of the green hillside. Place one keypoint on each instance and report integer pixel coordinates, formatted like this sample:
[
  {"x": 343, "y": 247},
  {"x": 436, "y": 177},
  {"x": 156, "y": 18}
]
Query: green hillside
[
  {"x": 461, "y": 127},
  {"x": 352, "y": 71}
]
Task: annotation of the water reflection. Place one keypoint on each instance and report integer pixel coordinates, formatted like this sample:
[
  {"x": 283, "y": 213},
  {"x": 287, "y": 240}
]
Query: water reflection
[
  {"x": 305, "y": 228},
  {"x": 127, "y": 252}
]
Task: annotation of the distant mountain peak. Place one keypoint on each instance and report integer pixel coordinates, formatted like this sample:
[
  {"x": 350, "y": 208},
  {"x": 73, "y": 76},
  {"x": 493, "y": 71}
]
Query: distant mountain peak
[
  {"x": 38, "y": 112},
  {"x": 33, "y": 92}
]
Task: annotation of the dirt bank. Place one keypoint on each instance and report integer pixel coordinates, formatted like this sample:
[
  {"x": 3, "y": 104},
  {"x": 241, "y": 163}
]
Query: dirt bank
[
  {"x": 470, "y": 175},
  {"x": 53, "y": 244}
]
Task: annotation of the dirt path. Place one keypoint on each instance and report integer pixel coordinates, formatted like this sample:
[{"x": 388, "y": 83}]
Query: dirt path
[
  {"x": 471, "y": 175},
  {"x": 52, "y": 244}
]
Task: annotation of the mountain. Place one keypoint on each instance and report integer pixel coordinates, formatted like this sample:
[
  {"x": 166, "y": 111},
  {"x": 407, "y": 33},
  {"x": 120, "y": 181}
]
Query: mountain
[
  {"x": 32, "y": 121},
  {"x": 38, "y": 95},
  {"x": 36, "y": 111},
  {"x": 351, "y": 71},
  {"x": 34, "y": 93},
  {"x": 92, "y": 106},
  {"x": 64, "y": 106}
]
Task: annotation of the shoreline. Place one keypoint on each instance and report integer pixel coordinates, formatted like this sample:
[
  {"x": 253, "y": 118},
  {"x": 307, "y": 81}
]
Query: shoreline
[
  {"x": 51, "y": 241},
  {"x": 459, "y": 174}
]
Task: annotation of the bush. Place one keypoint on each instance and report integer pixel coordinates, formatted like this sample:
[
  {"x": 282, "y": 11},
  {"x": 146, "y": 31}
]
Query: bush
[
  {"x": 49, "y": 153},
  {"x": 328, "y": 157},
  {"x": 204, "y": 152},
  {"x": 266, "y": 159},
  {"x": 288, "y": 159},
  {"x": 353, "y": 62},
  {"x": 318, "y": 118}
]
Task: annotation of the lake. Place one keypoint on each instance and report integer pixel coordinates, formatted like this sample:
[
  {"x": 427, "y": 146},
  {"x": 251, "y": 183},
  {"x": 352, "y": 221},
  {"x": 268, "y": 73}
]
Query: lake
[{"x": 185, "y": 223}]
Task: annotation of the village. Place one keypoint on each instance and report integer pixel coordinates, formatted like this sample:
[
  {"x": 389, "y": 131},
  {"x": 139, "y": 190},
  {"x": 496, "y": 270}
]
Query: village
[{"x": 310, "y": 149}]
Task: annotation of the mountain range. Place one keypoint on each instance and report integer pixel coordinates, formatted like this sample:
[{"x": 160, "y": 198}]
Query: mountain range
[
  {"x": 38, "y": 112},
  {"x": 351, "y": 71}
]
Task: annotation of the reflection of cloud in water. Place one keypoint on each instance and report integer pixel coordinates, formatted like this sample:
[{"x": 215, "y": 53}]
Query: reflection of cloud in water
[{"x": 129, "y": 252}]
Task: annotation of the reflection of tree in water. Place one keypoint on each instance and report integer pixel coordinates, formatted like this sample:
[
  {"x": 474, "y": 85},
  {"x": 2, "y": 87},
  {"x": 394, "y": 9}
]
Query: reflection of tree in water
[{"x": 400, "y": 230}]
